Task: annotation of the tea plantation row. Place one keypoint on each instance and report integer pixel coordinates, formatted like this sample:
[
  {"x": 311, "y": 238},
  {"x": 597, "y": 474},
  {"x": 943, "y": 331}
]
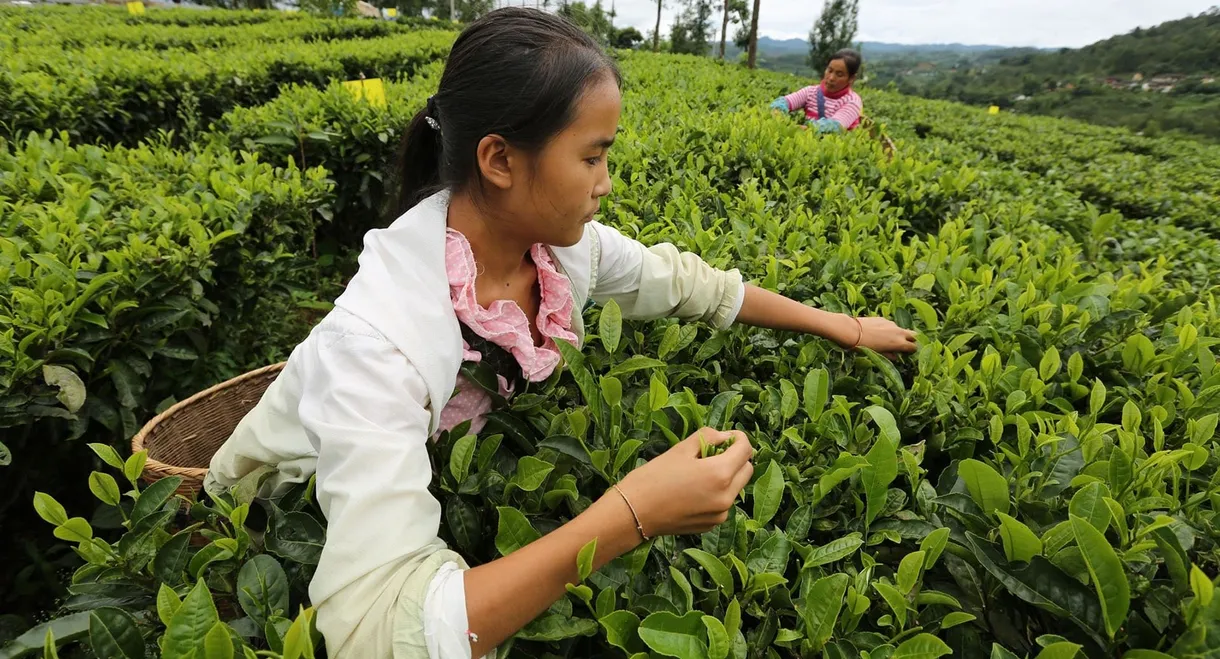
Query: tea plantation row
[{"x": 1039, "y": 480}]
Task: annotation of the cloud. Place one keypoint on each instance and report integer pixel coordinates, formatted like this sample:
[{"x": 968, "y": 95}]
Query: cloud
[{"x": 1045, "y": 23}]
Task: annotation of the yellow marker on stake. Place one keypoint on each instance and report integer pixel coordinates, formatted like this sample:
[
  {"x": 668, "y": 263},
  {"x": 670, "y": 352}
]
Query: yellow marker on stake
[
  {"x": 391, "y": 12},
  {"x": 135, "y": 8},
  {"x": 371, "y": 90},
  {"x": 995, "y": 109}
]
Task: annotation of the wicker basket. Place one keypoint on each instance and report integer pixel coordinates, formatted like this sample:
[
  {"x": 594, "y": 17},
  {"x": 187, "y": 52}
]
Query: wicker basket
[{"x": 182, "y": 440}]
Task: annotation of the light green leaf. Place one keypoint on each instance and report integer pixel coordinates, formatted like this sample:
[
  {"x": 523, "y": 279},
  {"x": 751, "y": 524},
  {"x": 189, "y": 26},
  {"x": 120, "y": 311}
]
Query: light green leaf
[
  {"x": 956, "y": 618},
  {"x": 909, "y": 571},
  {"x": 460, "y": 458},
  {"x": 1106, "y": 572},
  {"x": 933, "y": 545},
  {"x": 531, "y": 473},
  {"x": 823, "y": 603},
  {"x": 1089, "y": 503},
  {"x": 1060, "y": 650},
  {"x": 186, "y": 631},
  {"x": 986, "y": 486},
  {"x": 74, "y": 530},
  {"x": 1050, "y": 365},
  {"x": 1202, "y": 586},
  {"x": 718, "y": 638},
  {"x": 168, "y": 604},
  {"x": 514, "y": 531},
  {"x": 922, "y": 646},
  {"x": 218, "y": 644},
  {"x": 621, "y": 630},
  {"x": 882, "y": 469},
  {"x": 135, "y": 466},
  {"x": 584, "y": 559},
  {"x": 49, "y": 509},
  {"x": 898, "y": 603},
  {"x": 262, "y": 589},
  {"x": 768, "y": 493},
  {"x": 1020, "y": 543},
  {"x": 835, "y": 550},
  {"x": 817, "y": 392},
  {"x": 715, "y": 569},
  {"x": 105, "y": 488},
  {"x": 673, "y": 636},
  {"x": 610, "y": 326}
]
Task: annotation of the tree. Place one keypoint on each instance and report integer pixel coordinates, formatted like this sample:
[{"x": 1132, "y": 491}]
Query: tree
[
  {"x": 593, "y": 20},
  {"x": 656, "y": 34},
  {"x": 833, "y": 31},
  {"x": 752, "y": 60},
  {"x": 691, "y": 28},
  {"x": 736, "y": 12},
  {"x": 627, "y": 38}
]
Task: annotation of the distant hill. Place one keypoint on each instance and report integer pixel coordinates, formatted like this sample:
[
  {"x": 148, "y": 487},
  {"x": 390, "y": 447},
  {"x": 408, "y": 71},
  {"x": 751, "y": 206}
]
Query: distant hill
[
  {"x": 1159, "y": 79},
  {"x": 769, "y": 47}
]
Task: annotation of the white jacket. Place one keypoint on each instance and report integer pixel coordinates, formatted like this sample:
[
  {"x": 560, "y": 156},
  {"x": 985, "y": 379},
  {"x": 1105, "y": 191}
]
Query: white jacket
[{"x": 361, "y": 395}]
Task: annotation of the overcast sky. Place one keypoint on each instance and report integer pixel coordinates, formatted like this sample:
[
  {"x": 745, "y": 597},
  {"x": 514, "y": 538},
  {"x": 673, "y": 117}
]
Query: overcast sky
[{"x": 1044, "y": 23}]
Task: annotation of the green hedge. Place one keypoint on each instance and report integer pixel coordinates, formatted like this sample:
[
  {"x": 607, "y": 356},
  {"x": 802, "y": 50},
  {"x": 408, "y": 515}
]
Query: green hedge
[
  {"x": 114, "y": 27},
  {"x": 356, "y": 142},
  {"x": 117, "y": 95}
]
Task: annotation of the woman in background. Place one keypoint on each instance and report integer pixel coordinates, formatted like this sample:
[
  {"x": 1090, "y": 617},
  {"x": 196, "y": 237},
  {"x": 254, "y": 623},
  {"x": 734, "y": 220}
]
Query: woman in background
[{"x": 832, "y": 106}]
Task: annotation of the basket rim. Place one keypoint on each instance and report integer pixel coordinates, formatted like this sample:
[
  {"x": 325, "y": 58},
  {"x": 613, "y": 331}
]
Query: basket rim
[{"x": 137, "y": 440}]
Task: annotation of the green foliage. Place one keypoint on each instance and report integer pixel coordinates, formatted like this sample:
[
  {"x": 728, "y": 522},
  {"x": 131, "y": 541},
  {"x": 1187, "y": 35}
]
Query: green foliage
[
  {"x": 1038, "y": 480},
  {"x": 834, "y": 30}
]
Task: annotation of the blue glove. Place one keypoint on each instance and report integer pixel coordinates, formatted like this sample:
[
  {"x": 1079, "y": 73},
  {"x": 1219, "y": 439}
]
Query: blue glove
[
  {"x": 780, "y": 104},
  {"x": 826, "y": 125}
]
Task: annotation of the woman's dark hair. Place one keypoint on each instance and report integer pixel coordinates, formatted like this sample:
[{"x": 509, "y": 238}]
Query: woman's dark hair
[
  {"x": 851, "y": 59},
  {"x": 518, "y": 73}
]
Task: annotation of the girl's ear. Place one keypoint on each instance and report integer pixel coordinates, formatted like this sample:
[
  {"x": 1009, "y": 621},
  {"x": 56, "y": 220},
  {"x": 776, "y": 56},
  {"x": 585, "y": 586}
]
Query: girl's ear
[{"x": 496, "y": 165}]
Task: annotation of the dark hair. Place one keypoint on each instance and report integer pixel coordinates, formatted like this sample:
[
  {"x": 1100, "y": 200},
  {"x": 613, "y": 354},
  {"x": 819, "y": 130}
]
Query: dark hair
[
  {"x": 851, "y": 59},
  {"x": 518, "y": 73}
]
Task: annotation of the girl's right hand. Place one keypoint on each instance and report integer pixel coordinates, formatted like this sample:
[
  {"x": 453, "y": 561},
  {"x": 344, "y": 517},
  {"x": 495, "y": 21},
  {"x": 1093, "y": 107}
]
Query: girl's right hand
[{"x": 680, "y": 493}]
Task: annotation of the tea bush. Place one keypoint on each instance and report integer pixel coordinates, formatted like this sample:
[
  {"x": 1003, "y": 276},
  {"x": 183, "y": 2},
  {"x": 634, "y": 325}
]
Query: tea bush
[
  {"x": 120, "y": 95},
  {"x": 1040, "y": 480}
]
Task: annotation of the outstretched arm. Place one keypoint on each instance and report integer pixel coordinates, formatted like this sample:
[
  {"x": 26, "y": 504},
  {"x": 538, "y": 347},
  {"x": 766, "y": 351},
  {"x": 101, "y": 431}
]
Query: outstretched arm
[{"x": 762, "y": 308}]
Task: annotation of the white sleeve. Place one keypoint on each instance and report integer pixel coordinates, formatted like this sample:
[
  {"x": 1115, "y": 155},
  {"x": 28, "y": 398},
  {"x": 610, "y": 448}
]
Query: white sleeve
[
  {"x": 445, "y": 621},
  {"x": 362, "y": 406},
  {"x": 660, "y": 282}
]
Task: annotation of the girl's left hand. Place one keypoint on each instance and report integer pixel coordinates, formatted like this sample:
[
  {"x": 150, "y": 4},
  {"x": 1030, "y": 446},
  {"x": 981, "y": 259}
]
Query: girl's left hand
[{"x": 884, "y": 336}]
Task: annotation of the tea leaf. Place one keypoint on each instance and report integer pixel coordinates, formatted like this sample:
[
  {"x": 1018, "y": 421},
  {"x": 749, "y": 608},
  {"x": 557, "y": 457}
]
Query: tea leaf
[
  {"x": 1020, "y": 543},
  {"x": 186, "y": 631},
  {"x": 1061, "y": 650},
  {"x": 461, "y": 457},
  {"x": 823, "y": 603},
  {"x": 1089, "y": 504},
  {"x": 1106, "y": 572},
  {"x": 909, "y": 571},
  {"x": 933, "y": 545},
  {"x": 168, "y": 604},
  {"x": 817, "y": 392},
  {"x": 715, "y": 569},
  {"x": 987, "y": 487},
  {"x": 71, "y": 389},
  {"x": 956, "y": 618},
  {"x": 154, "y": 497},
  {"x": 49, "y": 509},
  {"x": 897, "y": 602},
  {"x": 768, "y": 493},
  {"x": 673, "y": 636},
  {"x": 718, "y": 638},
  {"x": 610, "y": 326},
  {"x": 922, "y": 646},
  {"x": 514, "y": 532},
  {"x": 113, "y": 634},
  {"x": 262, "y": 589},
  {"x": 621, "y": 630},
  {"x": 217, "y": 644},
  {"x": 835, "y": 550},
  {"x": 584, "y": 559},
  {"x": 1201, "y": 586}
]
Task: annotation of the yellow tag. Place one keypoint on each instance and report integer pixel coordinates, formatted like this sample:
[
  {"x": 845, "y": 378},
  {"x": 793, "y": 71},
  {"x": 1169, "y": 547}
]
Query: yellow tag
[
  {"x": 135, "y": 8},
  {"x": 995, "y": 109},
  {"x": 374, "y": 92},
  {"x": 371, "y": 90},
  {"x": 391, "y": 12}
]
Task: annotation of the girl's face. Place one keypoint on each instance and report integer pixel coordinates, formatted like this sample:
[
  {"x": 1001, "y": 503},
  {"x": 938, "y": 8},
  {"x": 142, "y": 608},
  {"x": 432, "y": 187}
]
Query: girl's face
[
  {"x": 558, "y": 190},
  {"x": 836, "y": 77}
]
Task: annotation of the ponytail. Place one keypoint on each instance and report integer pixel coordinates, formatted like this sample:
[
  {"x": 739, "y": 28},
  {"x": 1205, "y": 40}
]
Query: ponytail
[{"x": 419, "y": 163}]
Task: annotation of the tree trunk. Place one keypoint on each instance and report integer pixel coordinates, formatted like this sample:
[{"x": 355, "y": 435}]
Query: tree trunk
[
  {"x": 656, "y": 36},
  {"x": 724, "y": 28},
  {"x": 753, "y": 58}
]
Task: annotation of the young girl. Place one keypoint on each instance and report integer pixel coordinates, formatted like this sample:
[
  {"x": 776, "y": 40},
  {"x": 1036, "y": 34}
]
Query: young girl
[
  {"x": 494, "y": 256},
  {"x": 832, "y": 106}
]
